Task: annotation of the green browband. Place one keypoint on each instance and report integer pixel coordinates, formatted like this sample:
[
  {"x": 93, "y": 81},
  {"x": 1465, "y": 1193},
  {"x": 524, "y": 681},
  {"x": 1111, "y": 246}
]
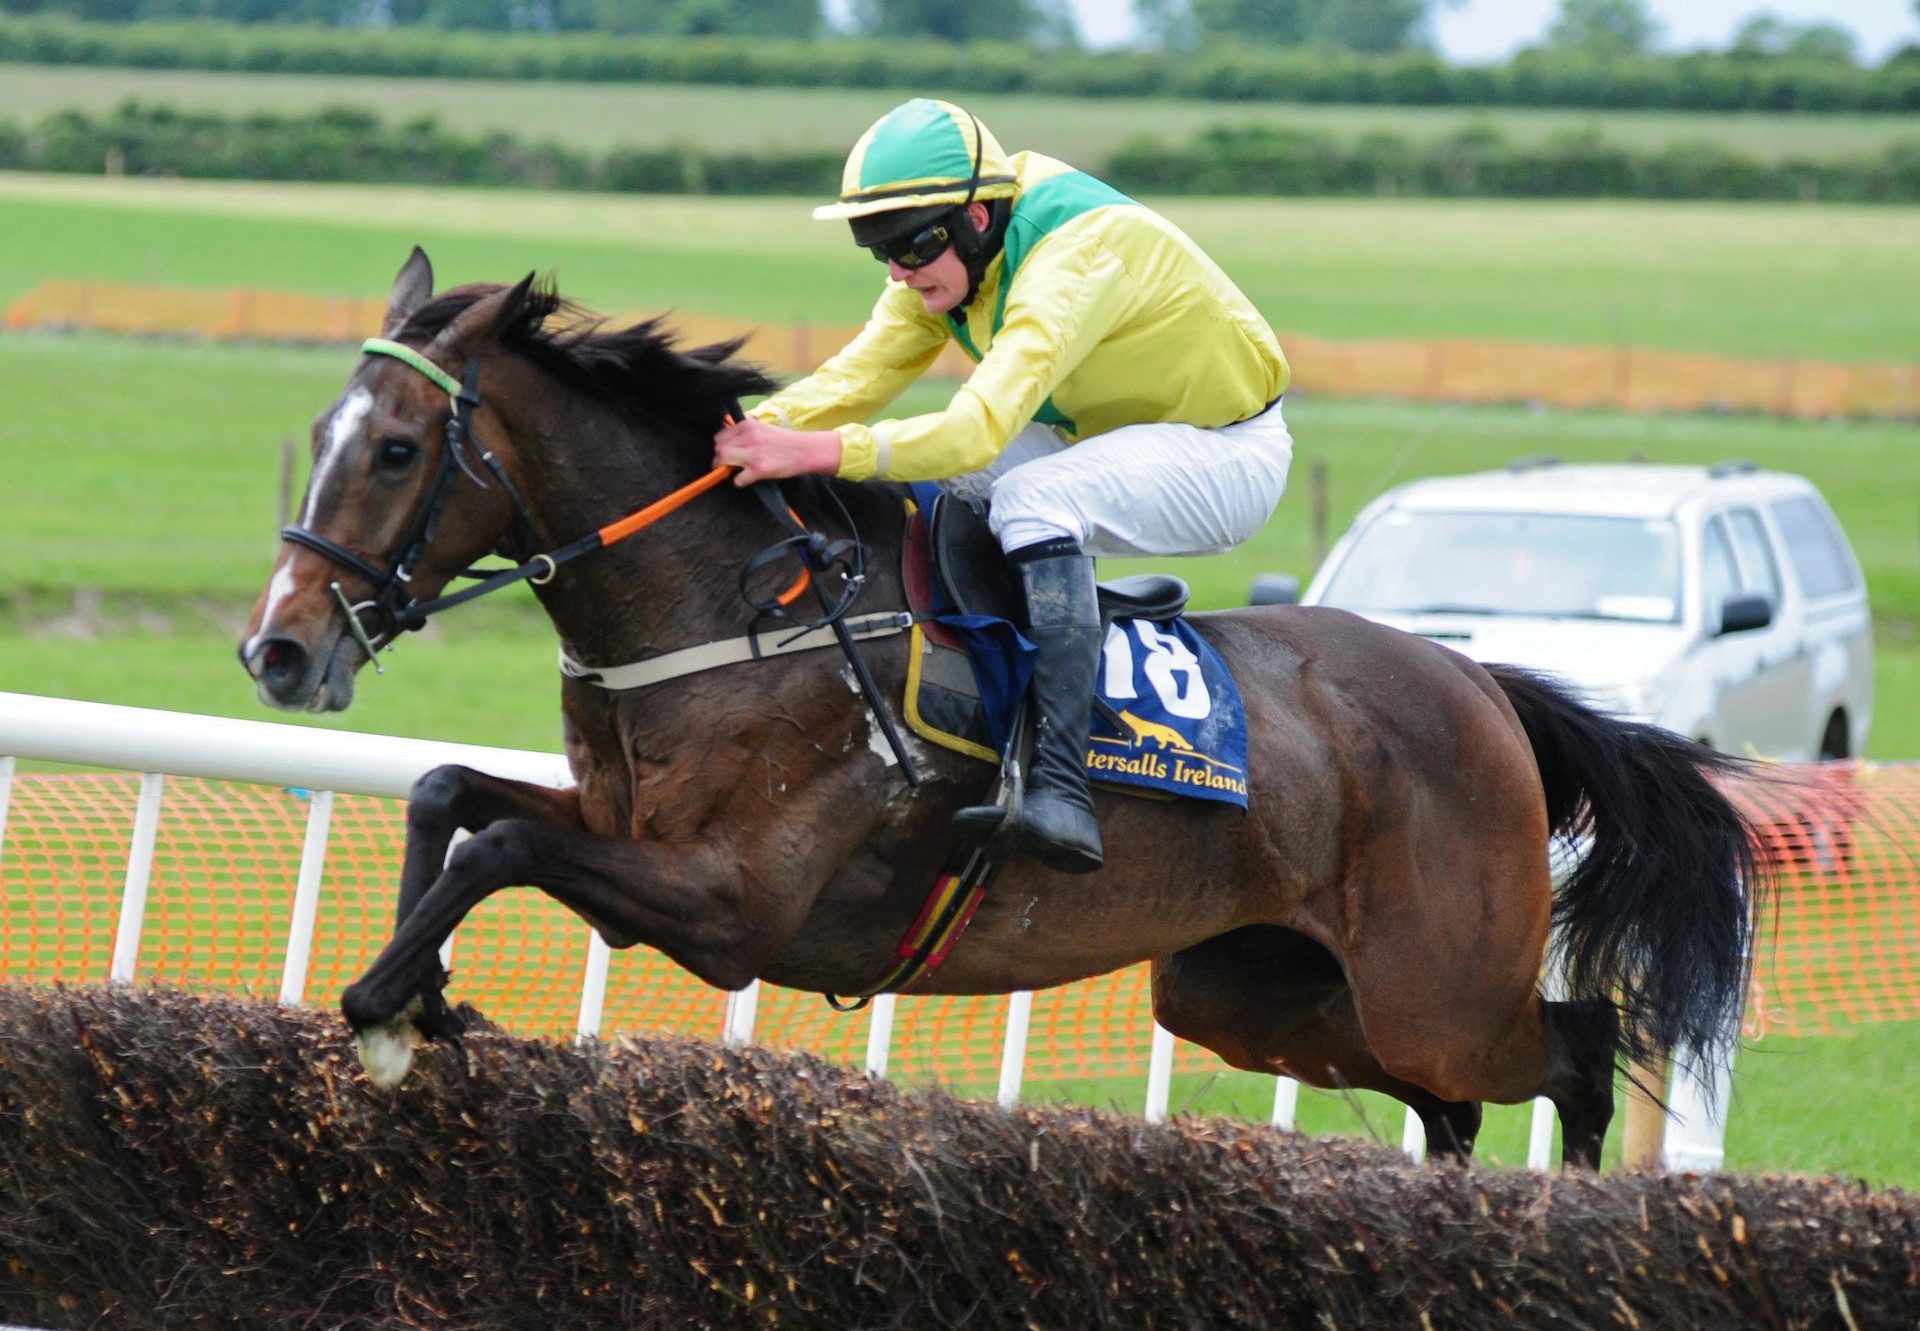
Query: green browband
[{"x": 380, "y": 346}]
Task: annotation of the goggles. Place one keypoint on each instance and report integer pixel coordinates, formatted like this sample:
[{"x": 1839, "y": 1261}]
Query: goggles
[{"x": 915, "y": 251}]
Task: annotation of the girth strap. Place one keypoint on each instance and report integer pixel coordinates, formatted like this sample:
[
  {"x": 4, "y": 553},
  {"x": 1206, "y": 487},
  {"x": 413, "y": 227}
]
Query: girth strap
[{"x": 731, "y": 651}]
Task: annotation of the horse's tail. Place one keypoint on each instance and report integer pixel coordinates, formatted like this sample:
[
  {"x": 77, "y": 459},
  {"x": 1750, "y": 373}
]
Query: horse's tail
[{"x": 1657, "y": 915}]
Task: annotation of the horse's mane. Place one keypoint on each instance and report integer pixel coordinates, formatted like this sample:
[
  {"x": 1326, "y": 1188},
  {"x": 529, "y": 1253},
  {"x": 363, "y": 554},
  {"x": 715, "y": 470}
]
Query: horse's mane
[{"x": 640, "y": 368}]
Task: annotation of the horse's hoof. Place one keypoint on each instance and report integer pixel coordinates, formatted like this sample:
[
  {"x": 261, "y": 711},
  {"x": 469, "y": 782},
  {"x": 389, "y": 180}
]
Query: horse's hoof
[{"x": 386, "y": 1050}]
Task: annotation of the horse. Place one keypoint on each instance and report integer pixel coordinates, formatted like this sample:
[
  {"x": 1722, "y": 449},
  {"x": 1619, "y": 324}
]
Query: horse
[{"x": 1377, "y": 917}]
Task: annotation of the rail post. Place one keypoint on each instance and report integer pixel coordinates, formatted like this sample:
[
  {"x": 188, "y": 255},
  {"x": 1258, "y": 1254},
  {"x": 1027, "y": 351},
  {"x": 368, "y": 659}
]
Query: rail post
[
  {"x": 306, "y": 898},
  {"x": 133, "y": 900}
]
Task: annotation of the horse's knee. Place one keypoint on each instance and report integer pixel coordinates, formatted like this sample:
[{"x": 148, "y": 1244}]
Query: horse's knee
[
  {"x": 507, "y": 851},
  {"x": 434, "y": 802}
]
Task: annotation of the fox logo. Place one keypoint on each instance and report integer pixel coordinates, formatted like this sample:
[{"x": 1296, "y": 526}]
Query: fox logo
[{"x": 1165, "y": 736}]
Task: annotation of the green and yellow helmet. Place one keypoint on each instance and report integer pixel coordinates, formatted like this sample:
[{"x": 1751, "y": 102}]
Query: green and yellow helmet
[{"x": 923, "y": 157}]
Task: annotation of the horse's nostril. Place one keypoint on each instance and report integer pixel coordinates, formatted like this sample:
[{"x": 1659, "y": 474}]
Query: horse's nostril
[{"x": 279, "y": 662}]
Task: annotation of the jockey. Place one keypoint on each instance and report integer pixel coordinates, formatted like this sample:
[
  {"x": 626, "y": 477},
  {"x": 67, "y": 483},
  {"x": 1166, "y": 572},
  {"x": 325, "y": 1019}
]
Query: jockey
[{"x": 1126, "y": 400}]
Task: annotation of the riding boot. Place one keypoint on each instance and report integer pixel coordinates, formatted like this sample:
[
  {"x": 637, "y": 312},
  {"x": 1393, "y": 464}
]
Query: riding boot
[{"x": 1055, "y": 822}]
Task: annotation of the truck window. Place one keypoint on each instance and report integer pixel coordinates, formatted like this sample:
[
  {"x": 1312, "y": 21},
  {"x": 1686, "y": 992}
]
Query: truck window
[
  {"x": 1815, "y": 547},
  {"x": 1759, "y": 573}
]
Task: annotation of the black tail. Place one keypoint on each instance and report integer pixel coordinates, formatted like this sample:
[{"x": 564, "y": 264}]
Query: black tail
[{"x": 1657, "y": 915}]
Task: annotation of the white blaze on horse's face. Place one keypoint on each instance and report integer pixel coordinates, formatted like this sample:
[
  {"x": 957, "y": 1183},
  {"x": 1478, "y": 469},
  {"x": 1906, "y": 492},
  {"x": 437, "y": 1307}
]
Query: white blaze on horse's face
[
  {"x": 278, "y": 590},
  {"x": 349, "y": 423}
]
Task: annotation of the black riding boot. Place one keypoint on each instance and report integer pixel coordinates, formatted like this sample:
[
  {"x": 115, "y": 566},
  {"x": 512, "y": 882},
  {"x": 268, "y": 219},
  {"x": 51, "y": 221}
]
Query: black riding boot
[{"x": 1056, "y": 822}]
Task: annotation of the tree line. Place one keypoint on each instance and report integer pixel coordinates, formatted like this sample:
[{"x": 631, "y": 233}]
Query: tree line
[
  {"x": 1599, "y": 28},
  {"x": 347, "y": 144},
  {"x": 1574, "y": 79}
]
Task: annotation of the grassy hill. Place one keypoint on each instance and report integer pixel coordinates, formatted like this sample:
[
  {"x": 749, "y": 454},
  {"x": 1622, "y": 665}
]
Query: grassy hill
[
  {"x": 605, "y": 115},
  {"x": 1814, "y": 281}
]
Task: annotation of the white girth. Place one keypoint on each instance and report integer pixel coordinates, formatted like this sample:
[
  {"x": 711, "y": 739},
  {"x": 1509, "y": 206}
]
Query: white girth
[{"x": 756, "y": 646}]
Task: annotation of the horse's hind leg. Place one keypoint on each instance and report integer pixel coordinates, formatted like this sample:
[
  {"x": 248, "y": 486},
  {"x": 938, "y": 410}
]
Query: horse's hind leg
[
  {"x": 1267, "y": 999},
  {"x": 1500, "y": 1043},
  {"x": 1451, "y": 1125},
  {"x": 1581, "y": 1038}
]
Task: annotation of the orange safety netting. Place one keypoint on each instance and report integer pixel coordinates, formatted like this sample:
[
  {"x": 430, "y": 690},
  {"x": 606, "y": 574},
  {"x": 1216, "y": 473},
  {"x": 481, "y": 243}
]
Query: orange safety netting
[
  {"x": 1433, "y": 370},
  {"x": 1841, "y": 948},
  {"x": 1838, "y": 945}
]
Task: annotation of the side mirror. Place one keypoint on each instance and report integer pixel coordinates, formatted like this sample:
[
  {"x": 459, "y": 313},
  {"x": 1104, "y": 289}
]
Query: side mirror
[
  {"x": 1274, "y": 589},
  {"x": 1739, "y": 614}
]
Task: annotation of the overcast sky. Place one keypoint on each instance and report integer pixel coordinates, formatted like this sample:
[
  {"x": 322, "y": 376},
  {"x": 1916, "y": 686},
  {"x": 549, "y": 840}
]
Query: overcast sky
[{"x": 1492, "y": 29}]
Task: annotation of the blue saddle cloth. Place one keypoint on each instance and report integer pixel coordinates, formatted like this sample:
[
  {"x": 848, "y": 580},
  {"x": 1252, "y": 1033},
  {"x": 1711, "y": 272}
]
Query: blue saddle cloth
[{"x": 1182, "y": 731}]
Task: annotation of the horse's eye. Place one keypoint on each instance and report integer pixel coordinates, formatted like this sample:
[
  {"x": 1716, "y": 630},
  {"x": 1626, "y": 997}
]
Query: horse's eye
[{"x": 396, "y": 453}]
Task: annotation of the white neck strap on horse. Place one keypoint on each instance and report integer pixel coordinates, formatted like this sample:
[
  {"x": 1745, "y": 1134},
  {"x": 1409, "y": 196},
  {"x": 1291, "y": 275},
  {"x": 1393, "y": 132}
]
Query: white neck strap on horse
[{"x": 731, "y": 651}]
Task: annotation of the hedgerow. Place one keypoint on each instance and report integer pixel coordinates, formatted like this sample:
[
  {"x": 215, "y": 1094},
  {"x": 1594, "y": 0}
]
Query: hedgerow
[
  {"x": 1538, "y": 78},
  {"x": 345, "y": 144}
]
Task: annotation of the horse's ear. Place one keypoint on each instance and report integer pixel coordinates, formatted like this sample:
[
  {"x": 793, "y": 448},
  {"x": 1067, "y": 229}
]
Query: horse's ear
[
  {"x": 479, "y": 321},
  {"x": 412, "y": 288}
]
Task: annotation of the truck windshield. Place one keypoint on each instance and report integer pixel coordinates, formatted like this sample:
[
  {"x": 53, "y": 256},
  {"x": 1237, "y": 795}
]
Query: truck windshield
[{"x": 1540, "y": 564}]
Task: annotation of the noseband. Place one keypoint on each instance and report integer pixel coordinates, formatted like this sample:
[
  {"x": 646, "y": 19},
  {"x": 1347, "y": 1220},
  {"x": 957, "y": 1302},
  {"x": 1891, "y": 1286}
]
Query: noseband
[{"x": 393, "y": 609}]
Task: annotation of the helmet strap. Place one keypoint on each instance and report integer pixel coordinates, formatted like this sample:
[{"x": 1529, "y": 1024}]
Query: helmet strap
[{"x": 976, "y": 247}]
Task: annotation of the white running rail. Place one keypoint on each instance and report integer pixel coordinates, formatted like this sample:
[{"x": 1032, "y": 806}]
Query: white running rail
[{"x": 158, "y": 744}]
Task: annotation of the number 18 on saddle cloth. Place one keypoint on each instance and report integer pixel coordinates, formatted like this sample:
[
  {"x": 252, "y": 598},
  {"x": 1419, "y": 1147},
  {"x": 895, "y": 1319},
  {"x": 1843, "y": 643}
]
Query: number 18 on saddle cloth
[{"x": 1172, "y": 723}]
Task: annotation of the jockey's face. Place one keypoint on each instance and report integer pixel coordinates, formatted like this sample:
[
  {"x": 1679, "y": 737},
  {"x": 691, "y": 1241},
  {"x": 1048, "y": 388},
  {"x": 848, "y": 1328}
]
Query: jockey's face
[{"x": 942, "y": 284}]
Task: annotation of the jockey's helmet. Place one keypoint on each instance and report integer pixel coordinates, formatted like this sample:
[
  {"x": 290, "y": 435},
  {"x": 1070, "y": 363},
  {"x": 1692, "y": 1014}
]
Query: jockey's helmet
[{"x": 910, "y": 174}]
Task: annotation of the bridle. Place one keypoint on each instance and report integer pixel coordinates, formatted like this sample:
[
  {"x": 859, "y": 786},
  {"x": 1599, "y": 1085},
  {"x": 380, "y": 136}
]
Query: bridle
[{"x": 393, "y": 609}]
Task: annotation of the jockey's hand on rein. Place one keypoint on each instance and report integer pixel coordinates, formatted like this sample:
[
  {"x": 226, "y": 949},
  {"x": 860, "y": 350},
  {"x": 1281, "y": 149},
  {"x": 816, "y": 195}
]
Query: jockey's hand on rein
[{"x": 771, "y": 452}]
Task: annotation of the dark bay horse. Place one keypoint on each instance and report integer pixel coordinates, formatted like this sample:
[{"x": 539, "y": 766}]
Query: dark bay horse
[{"x": 1377, "y": 918}]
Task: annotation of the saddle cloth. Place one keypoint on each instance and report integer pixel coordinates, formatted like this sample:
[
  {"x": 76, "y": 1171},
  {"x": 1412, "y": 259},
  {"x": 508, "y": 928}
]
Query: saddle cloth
[{"x": 1172, "y": 725}]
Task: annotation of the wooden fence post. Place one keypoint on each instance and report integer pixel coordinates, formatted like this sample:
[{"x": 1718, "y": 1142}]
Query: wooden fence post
[
  {"x": 285, "y": 504},
  {"x": 1646, "y": 1126}
]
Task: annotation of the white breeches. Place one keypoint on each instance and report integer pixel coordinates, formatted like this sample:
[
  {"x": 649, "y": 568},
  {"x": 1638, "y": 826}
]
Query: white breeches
[{"x": 1158, "y": 489}]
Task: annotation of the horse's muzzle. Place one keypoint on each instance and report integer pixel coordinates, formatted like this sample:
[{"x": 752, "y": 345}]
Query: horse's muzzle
[{"x": 291, "y": 677}]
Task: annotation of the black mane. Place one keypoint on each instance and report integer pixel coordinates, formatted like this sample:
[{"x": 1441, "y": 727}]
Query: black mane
[
  {"x": 642, "y": 371},
  {"x": 639, "y": 369}
]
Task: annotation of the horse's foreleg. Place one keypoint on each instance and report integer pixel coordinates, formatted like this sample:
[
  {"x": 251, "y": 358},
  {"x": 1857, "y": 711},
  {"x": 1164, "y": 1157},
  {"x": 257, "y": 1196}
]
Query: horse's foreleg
[
  {"x": 688, "y": 900},
  {"x": 443, "y": 802},
  {"x": 452, "y": 798}
]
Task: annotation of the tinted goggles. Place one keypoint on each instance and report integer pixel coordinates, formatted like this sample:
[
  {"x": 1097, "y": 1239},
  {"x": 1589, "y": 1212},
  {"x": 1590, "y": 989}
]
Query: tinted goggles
[{"x": 915, "y": 251}]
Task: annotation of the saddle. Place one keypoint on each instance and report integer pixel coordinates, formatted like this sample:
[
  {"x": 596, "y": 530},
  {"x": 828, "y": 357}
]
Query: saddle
[
  {"x": 977, "y": 578},
  {"x": 964, "y": 682}
]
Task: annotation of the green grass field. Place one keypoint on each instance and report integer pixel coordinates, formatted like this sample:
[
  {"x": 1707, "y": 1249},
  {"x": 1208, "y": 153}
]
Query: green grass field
[
  {"x": 148, "y": 473},
  {"x": 1799, "y": 1106},
  {"x": 138, "y": 479},
  {"x": 603, "y": 115},
  {"x": 1808, "y": 281}
]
